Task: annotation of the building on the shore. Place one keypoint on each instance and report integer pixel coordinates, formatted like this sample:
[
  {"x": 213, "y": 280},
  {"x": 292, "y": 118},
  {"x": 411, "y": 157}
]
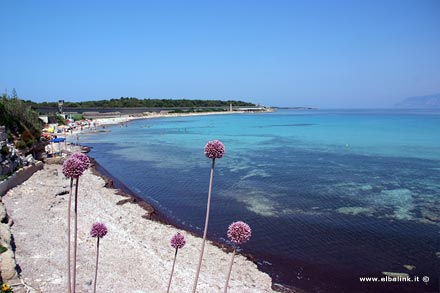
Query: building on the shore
[
  {"x": 96, "y": 115},
  {"x": 251, "y": 109},
  {"x": 44, "y": 118}
]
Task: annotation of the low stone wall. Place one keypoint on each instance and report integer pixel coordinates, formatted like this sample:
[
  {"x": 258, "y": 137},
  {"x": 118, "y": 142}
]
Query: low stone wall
[{"x": 19, "y": 177}]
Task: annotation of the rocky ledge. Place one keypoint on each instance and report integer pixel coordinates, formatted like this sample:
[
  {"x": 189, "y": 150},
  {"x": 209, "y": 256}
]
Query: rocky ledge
[{"x": 8, "y": 266}]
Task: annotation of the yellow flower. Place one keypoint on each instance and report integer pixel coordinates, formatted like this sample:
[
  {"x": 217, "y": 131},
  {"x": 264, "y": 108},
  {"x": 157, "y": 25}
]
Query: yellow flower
[{"x": 5, "y": 287}]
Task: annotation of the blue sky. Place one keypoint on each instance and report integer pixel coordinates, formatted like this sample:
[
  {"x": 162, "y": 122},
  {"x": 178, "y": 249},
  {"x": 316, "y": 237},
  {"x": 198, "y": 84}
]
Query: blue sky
[{"x": 327, "y": 54}]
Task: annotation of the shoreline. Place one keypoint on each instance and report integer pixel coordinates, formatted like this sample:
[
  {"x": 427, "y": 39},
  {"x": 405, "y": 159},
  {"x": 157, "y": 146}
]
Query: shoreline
[
  {"x": 154, "y": 214},
  {"x": 128, "y": 118},
  {"x": 143, "y": 257},
  {"x": 102, "y": 123}
]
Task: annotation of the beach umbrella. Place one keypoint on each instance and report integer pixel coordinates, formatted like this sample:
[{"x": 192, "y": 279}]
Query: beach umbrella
[{"x": 57, "y": 140}]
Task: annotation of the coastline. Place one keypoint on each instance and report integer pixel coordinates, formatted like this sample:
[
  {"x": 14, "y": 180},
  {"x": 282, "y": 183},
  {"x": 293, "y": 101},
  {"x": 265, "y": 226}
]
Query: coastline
[
  {"x": 143, "y": 255},
  {"x": 128, "y": 118},
  {"x": 127, "y": 197},
  {"x": 152, "y": 213}
]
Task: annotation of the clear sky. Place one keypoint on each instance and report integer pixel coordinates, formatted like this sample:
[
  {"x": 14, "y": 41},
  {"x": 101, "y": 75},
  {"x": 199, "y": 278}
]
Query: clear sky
[{"x": 327, "y": 54}]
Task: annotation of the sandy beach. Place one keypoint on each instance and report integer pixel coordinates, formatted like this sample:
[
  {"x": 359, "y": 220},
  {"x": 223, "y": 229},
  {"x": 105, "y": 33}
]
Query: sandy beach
[
  {"x": 135, "y": 256},
  {"x": 127, "y": 118}
]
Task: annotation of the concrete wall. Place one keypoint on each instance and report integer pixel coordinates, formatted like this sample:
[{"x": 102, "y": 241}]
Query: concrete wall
[{"x": 19, "y": 177}]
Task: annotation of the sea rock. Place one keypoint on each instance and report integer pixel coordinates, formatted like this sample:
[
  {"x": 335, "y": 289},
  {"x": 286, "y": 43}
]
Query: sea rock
[
  {"x": 63, "y": 192},
  {"x": 395, "y": 275},
  {"x": 431, "y": 216},
  {"x": 409, "y": 267},
  {"x": 355, "y": 211}
]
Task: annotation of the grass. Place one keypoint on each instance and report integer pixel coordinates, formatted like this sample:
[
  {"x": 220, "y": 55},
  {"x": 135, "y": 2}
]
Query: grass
[{"x": 2, "y": 249}]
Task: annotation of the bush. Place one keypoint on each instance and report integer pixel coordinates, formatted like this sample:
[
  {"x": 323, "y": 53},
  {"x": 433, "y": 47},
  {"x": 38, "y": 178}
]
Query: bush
[
  {"x": 2, "y": 249},
  {"x": 26, "y": 135},
  {"x": 77, "y": 117},
  {"x": 5, "y": 150},
  {"x": 30, "y": 142},
  {"x": 177, "y": 111},
  {"x": 20, "y": 144},
  {"x": 18, "y": 117},
  {"x": 61, "y": 120}
]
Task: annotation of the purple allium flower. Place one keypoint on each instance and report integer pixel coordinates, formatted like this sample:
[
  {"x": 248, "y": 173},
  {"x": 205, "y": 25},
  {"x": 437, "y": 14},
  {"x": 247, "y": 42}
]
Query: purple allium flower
[
  {"x": 239, "y": 232},
  {"x": 214, "y": 149},
  {"x": 98, "y": 230},
  {"x": 73, "y": 168},
  {"x": 83, "y": 158},
  {"x": 178, "y": 241}
]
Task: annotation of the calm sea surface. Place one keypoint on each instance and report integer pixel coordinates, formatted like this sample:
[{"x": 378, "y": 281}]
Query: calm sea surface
[{"x": 331, "y": 196}]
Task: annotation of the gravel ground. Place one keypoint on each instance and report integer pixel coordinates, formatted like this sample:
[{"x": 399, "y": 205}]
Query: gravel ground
[{"x": 135, "y": 256}]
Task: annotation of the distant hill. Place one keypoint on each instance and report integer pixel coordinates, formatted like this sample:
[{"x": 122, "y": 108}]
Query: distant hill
[{"x": 421, "y": 102}]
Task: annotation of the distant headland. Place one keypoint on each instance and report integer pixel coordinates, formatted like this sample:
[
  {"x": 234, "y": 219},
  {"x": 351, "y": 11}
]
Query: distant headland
[{"x": 421, "y": 102}]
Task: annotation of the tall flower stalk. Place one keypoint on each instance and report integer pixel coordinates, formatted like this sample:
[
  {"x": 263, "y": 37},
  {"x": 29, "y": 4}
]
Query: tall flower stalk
[
  {"x": 177, "y": 242},
  {"x": 214, "y": 149},
  {"x": 73, "y": 168},
  {"x": 69, "y": 266},
  {"x": 98, "y": 230},
  {"x": 238, "y": 233}
]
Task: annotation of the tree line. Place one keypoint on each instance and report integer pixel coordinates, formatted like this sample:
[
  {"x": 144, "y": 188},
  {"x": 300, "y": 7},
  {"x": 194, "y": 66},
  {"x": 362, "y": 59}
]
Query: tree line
[{"x": 149, "y": 103}]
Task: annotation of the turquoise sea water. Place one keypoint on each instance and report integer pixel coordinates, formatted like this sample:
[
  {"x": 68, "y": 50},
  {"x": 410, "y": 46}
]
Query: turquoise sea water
[{"x": 331, "y": 196}]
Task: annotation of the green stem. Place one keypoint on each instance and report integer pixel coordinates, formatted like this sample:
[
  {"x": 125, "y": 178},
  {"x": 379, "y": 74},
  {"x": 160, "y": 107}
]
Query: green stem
[
  {"x": 96, "y": 266},
  {"x": 172, "y": 271},
  {"x": 206, "y": 228},
  {"x": 69, "y": 266},
  {"x": 75, "y": 234},
  {"x": 229, "y": 271}
]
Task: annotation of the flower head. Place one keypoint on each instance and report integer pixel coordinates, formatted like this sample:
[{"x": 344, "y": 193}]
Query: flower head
[
  {"x": 5, "y": 287},
  {"x": 75, "y": 165},
  {"x": 178, "y": 241},
  {"x": 83, "y": 158},
  {"x": 98, "y": 230},
  {"x": 239, "y": 232},
  {"x": 73, "y": 168},
  {"x": 214, "y": 149}
]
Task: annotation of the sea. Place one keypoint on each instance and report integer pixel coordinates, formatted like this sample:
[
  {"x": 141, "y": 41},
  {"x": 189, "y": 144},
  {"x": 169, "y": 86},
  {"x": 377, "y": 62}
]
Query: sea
[{"x": 338, "y": 200}]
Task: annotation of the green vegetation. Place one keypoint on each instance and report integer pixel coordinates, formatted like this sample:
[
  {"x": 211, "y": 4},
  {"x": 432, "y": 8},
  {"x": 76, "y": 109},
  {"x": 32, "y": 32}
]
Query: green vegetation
[
  {"x": 77, "y": 117},
  {"x": 61, "y": 120},
  {"x": 20, "y": 120},
  {"x": 149, "y": 103},
  {"x": 4, "y": 151},
  {"x": 2, "y": 249},
  {"x": 20, "y": 144}
]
